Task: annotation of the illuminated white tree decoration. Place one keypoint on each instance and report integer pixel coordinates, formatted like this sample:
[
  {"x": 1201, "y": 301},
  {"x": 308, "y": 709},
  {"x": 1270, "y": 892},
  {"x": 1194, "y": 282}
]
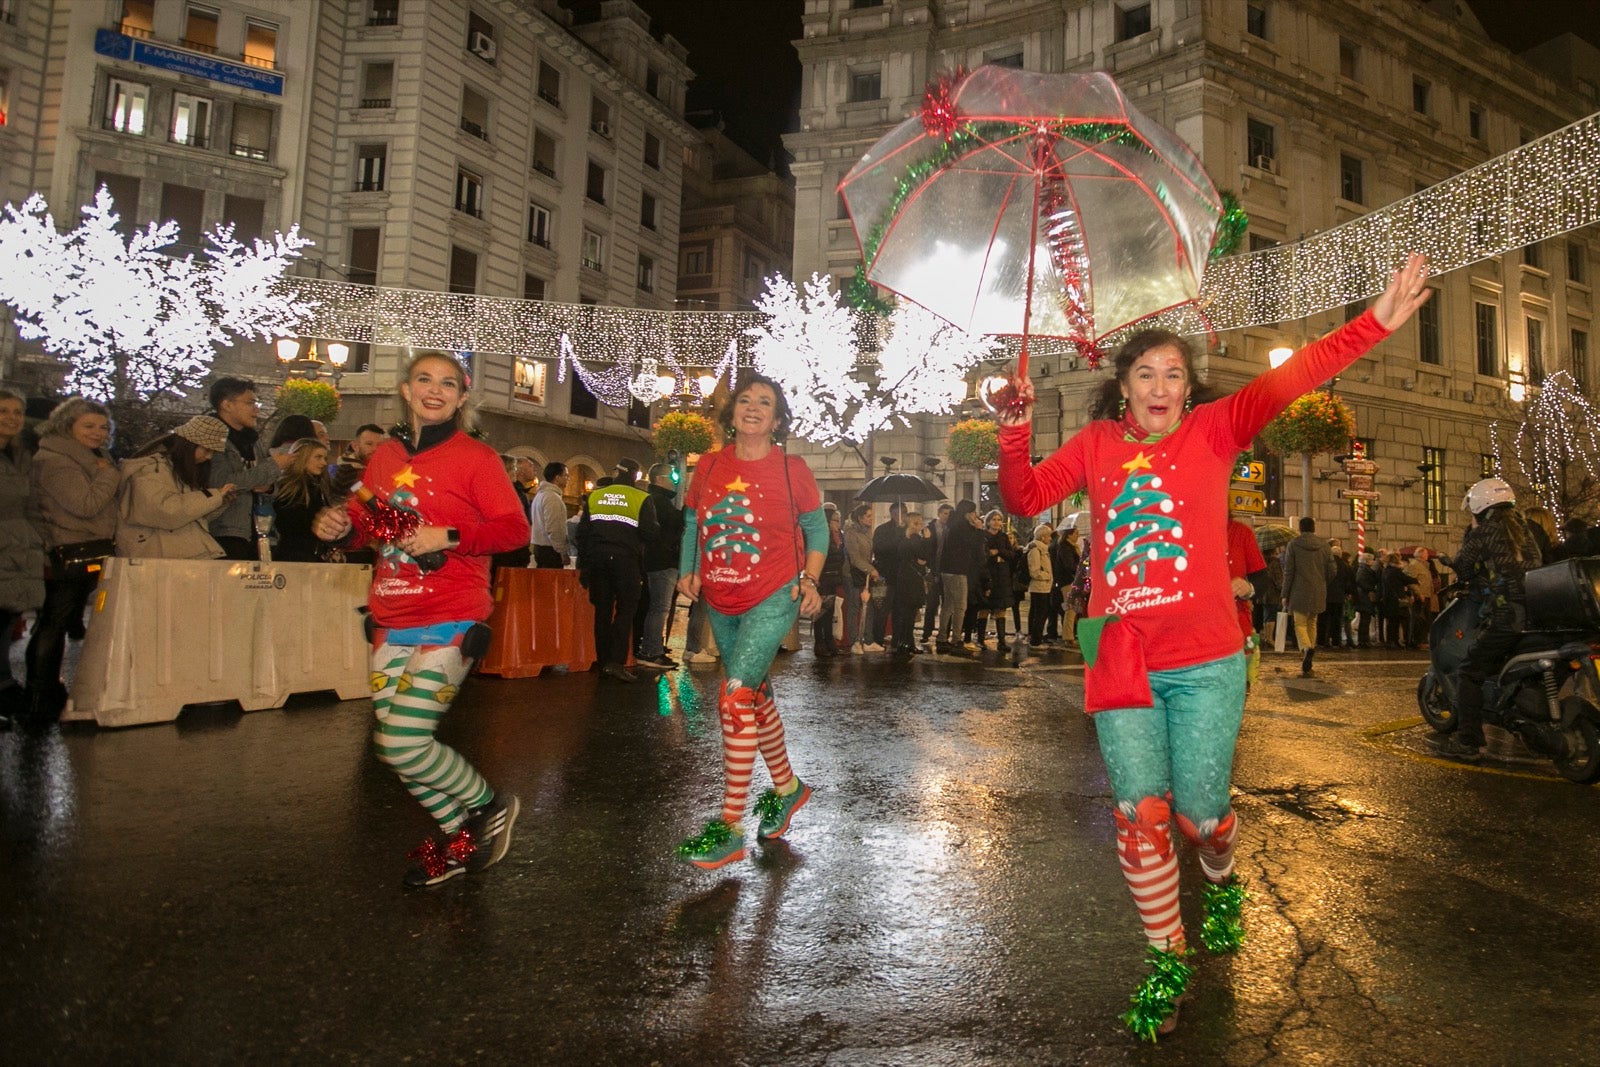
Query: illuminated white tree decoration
[
  {"x": 807, "y": 343},
  {"x": 128, "y": 320},
  {"x": 1557, "y": 447}
]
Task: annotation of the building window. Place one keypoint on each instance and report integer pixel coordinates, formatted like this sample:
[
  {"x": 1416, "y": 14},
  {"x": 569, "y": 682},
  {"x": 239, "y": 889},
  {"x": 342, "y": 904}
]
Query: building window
[
  {"x": 1009, "y": 59},
  {"x": 185, "y": 206},
  {"x": 1350, "y": 179},
  {"x": 639, "y": 414},
  {"x": 595, "y": 184},
  {"x": 647, "y": 274},
  {"x": 533, "y": 287},
  {"x": 1349, "y": 59},
  {"x": 191, "y": 120},
  {"x": 549, "y": 84},
  {"x": 1435, "y": 512},
  {"x": 480, "y": 37},
  {"x": 1260, "y": 242},
  {"x": 865, "y": 85},
  {"x": 463, "y": 270},
  {"x": 752, "y": 268},
  {"x": 124, "y": 192},
  {"x": 539, "y": 230},
  {"x": 1576, "y": 266},
  {"x": 252, "y": 132},
  {"x": 544, "y": 153},
  {"x": 363, "y": 266},
  {"x": 1486, "y": 465},
  {"x": 261, "y": 44},
  {"x": 527, "y": 383},
  {"x": 1578, "y": 346},
  {"x": 647, "y": 211},
  {"x": 652, "y": 82},
  {"x": 1533, "y": 256},
  {"x": 371, "y": 162},
  {"x": 599, "y": 116},
  {"x": 247, "y": 215},
  {"x": 697, "y": 260},
  {"x": 1475, "y": 122},
  {"x": 138, "y": 18},
  {"x": 652, "y": 151},
  {"x": 1261, "y": 145},
  {"x": 1420, "y": 91},
  {"x": 377, "y": 84},
  {"x": 1535, "y": 351},
  {"x": 581, "y": 402},
  {"x": 469, "y": 193},
  {"x": 200, "y": 30},
  {"x": 1486, "y": 332},
  {"x": 127, "y": 105},
  {"x": 384, "y": 13},
  {"x": 1132, "y": 20},
  {"x": 593, "y": 251},
  {"x": 1255, "y": 20},
  {"x": 474, "y": 113},
  {"x": 1428, "y": 349}
]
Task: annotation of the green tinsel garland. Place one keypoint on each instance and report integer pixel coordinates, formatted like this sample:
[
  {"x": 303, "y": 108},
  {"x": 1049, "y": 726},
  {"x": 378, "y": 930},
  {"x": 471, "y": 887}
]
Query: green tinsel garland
[
  {"x": 1223, "y": 928},
  {"x": 1156, "y": 998},
  {"x": 769, "y": 805},
  {"x": 1230, "y": 228},
  {"x": 715, "y": 835}
]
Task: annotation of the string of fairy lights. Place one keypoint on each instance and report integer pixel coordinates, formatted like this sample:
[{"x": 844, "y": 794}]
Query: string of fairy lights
[
  {"x": 1558, "y": 437},
  {"x": 1540, "y": 190}
]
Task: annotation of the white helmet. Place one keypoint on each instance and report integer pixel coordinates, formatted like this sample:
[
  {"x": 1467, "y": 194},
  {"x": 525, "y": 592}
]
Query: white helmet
[{"x": 1486, "y": 494}]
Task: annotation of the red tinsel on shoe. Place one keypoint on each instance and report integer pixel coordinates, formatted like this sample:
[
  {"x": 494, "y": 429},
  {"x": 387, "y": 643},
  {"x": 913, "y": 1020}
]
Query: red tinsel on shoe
[
  {"x": 430, "y": 857},
  {"x": 462, "y": 845}
]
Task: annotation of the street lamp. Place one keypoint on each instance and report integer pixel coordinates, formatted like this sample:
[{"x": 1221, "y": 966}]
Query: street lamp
[{"x": 310, "y": 365}]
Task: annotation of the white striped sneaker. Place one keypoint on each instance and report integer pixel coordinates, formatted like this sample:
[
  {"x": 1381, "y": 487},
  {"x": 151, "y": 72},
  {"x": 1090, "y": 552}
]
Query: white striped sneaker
[{"x": 491, "y": 831}]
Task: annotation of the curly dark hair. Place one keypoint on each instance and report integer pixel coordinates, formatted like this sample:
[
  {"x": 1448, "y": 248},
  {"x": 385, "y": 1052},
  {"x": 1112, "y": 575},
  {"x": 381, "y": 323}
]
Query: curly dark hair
[
  {"x": 780, "y": 411},
  {"x": 1106, "y": 402}
]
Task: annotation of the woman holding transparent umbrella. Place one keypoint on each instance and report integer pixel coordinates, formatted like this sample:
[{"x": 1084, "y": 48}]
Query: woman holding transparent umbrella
[{"x": 1164, "y": 683}]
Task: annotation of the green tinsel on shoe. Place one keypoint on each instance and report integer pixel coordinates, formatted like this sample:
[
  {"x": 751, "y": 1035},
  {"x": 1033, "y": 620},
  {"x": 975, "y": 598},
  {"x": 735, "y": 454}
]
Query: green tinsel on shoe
[
  {"x": 1155, "y": 1001},
  {"x": 715, "y": 837},
  {"x": 1223, "y": 928}
]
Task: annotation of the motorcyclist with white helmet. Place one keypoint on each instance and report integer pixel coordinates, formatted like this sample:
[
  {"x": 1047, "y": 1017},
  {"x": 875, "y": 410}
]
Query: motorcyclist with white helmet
[{"x": 1495, "y": 554}]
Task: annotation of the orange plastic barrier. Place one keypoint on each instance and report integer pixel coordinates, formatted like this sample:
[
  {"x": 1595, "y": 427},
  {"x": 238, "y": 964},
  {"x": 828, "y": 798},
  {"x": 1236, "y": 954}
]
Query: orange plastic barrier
[{"x": 542, "y": 618}]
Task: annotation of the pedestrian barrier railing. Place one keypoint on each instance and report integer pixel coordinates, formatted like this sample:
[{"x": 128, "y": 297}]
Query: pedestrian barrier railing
[{"x": 163, "y": 634}]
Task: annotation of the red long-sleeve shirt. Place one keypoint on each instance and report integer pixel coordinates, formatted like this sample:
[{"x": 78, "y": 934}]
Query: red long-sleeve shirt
[
  {"x": 1160, "y": 517},
  {"x": 457, "y": 482}
]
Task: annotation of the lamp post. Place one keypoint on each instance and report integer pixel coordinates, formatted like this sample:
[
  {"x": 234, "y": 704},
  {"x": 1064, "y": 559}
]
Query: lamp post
[{"x": 310, "y": 365}]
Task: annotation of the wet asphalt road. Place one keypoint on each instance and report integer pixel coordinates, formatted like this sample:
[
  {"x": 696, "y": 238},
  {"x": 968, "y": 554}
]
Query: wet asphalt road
[{"x": 226, "y": 889}]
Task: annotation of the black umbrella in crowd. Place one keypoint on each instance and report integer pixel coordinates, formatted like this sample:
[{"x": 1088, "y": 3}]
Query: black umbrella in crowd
[{"x": 895, "y": 488}]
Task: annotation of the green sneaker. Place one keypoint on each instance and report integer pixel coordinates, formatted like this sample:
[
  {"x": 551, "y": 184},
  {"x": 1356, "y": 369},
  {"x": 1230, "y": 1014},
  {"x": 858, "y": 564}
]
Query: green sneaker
[
  {"x": 1155, "y": 1003},
  {"x": 776, "y": 810},
  {"x": 717, "y": 845},
  {"x": 1223, "y": 928}
]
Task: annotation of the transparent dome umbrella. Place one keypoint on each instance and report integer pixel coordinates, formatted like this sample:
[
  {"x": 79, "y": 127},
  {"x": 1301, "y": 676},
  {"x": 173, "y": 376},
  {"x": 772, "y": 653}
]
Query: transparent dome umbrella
[{"x": 1028, "y": 204}]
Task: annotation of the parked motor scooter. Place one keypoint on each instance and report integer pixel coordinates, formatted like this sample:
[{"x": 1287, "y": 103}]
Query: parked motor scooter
[{"x": 1548, "y": 692}]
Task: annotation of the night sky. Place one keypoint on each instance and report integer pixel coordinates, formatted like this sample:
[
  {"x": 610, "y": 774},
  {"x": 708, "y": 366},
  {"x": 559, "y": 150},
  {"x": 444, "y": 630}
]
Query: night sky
[{"x": 746, "y": 69}]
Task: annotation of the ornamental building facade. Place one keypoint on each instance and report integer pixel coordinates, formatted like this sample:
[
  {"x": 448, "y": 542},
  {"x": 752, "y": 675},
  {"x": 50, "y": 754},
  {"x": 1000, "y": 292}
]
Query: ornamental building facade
[{"x": 1312, "y": 114}]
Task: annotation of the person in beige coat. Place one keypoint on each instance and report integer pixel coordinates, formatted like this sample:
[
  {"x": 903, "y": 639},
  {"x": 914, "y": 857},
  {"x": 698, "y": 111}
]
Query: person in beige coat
[
  {"x": 166, "y": 501},
  {"x": 1041, "y": 580},
  {"x": 75, "y": 487}
]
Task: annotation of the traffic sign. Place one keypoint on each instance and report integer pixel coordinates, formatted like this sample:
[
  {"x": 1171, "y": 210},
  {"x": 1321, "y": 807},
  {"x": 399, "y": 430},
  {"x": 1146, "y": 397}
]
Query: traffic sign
[
  {"x": 1252, "y": 471},
  {"x": 1248, "y": 500},
  {"x": 1360, "y": 466},
  {"x": 1359, "y": 494}
]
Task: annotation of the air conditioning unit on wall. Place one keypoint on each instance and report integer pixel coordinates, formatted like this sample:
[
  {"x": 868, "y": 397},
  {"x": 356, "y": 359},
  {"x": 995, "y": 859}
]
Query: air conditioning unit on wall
[
  {"x": 481, "y": 45},
  {"x": 601, "y": 126},
  {"x": 1267, "y": 163}
]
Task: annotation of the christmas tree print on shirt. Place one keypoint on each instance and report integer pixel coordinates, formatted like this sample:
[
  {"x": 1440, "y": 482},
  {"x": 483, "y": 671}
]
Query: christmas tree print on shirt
[
  {"x": 1138, "y": 523},
  {"x": 731, "y": 530}
]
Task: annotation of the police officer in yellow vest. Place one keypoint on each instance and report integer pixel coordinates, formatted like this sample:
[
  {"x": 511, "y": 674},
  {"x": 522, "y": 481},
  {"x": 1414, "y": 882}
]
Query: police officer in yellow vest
[{"x": 616, "y": 521}]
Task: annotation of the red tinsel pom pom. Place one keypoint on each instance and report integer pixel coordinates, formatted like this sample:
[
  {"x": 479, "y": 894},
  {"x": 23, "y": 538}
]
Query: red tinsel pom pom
[
  {"x": 430, "y": 857},
  {"x": 463, "y": 845},
  {"x": 939, "y": 115}
]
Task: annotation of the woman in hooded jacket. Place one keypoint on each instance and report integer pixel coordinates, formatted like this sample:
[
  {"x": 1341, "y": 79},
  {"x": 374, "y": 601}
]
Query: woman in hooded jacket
[{"x": 166, "y": 501}]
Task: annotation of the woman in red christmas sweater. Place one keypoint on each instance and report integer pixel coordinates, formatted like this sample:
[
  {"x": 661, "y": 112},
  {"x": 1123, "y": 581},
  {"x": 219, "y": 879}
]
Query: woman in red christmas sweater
[
  {"x": 437, "y": 504},
  {"x": 755, "y": 539},
  {"x": 1165, "y": 683}
]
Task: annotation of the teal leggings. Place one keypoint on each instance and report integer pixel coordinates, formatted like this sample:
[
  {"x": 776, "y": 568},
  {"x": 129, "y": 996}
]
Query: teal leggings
[
  {"x": 749, "y": 642},
  {"x": 1183, "y": 745}
]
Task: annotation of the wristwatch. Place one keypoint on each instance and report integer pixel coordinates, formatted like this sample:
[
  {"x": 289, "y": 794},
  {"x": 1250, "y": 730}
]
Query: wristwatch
[{"x": 454, "y": 535}]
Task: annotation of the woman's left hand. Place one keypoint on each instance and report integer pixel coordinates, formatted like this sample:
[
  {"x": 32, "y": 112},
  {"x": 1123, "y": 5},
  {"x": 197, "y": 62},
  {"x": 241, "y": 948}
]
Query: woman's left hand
[
  {"x": 426, "y": 539},
  {"x": 1408, "y": 290},
  {"x": 810, "y": 599}
]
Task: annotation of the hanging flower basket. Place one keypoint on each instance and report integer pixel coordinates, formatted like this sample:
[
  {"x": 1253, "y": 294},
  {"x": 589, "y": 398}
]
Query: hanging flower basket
[
  {"x": 974, "y": 444},
  {"x": 685, "y": 432},
  {"x": 1316, "y": 422},
  {"x": 313, "y": 399}
]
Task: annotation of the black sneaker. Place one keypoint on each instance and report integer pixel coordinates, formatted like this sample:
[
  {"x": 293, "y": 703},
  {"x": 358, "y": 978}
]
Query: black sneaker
[
  {"x": 490, "y": 827},
  {"x": 436, "y": 863},
  {"x": 1453, "y": 747}
]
